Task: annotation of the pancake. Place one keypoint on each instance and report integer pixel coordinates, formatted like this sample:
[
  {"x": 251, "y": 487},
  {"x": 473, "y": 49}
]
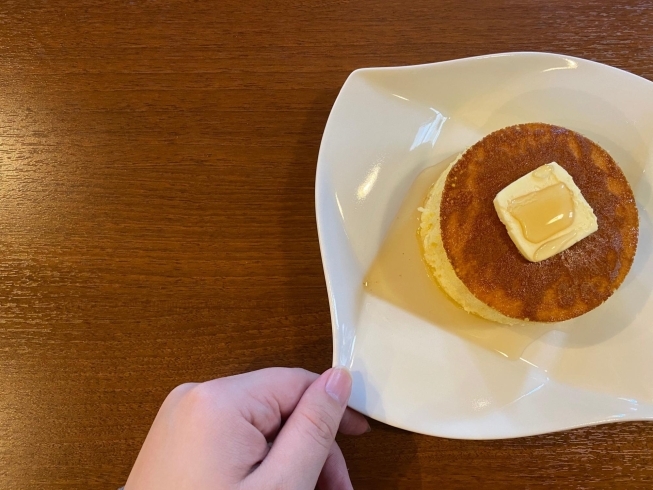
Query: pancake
[{"x": 472, "y": 256}]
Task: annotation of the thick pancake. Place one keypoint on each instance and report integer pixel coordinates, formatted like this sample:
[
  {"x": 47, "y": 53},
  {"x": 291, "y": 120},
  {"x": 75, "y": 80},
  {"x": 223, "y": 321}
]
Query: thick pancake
[{"x": 489, "y": 264}]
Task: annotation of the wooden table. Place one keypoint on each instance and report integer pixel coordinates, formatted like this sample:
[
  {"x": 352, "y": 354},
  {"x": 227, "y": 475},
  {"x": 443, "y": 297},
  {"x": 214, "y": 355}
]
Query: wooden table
[{"x": 157, "y": 226}]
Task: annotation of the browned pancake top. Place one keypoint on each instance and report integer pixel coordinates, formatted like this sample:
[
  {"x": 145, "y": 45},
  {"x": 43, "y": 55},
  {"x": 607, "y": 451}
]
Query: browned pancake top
[{"x": 484, "y": 257}]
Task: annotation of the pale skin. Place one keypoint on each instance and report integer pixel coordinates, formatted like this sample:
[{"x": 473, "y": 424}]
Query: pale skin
[{"x": 268, "y": 429}]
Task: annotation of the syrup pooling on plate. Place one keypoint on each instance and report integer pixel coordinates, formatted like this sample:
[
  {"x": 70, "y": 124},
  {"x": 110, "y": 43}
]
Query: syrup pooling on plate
[{"x": 399, "y": 276}]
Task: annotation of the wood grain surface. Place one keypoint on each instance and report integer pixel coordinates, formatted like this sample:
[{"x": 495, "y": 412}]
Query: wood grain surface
[{"x": 157, "y": 163}]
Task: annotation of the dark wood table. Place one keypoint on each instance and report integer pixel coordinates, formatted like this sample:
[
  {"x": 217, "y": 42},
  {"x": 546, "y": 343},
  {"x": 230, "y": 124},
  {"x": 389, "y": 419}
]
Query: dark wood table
[{"x": 157, "y": 226}]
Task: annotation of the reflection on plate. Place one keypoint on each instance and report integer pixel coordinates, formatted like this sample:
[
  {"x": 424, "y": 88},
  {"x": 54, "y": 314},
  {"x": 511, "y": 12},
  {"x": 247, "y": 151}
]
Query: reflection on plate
[{"x": 418, "y": 361}]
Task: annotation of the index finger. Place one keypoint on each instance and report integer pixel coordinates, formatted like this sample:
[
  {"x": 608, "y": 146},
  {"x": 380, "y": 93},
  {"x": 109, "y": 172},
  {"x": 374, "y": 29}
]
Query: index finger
[{"x": 264, "y": 398}]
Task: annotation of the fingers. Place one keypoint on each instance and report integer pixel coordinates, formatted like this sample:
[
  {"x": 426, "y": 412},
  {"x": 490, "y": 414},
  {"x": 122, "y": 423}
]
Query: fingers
[
  {"x": 266, "y": 397},
  {"x": 335, "y": 475},
  {"x": 353, "y": 423},
  {"x": 302, "y": 446}
]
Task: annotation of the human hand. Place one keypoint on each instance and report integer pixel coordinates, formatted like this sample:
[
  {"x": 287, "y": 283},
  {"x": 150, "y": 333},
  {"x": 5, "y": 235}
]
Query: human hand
[{"x": 268, "y": 429}]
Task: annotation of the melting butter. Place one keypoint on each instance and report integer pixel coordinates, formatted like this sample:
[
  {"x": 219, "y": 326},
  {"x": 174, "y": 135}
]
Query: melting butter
[
  {"x": 552, "y": 247},
  {"x": 544, "y": 213}
]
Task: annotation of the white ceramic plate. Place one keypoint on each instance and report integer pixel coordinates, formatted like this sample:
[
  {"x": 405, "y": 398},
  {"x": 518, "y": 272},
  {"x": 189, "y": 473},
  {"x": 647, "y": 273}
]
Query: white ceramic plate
[{"x": 386, "y": 126}]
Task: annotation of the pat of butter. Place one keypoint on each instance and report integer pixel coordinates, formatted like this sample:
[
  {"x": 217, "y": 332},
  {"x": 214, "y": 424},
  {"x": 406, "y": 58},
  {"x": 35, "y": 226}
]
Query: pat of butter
[{"x": 545, "y": 212}]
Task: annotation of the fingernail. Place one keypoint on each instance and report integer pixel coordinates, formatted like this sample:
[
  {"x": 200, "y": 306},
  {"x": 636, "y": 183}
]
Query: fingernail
[
  {"x": 338, "y": 385},
  {"x": 369, "y": 429}
]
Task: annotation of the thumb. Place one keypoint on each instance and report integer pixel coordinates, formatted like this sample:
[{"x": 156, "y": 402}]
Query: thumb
[{"x": 301, "y": 448}]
